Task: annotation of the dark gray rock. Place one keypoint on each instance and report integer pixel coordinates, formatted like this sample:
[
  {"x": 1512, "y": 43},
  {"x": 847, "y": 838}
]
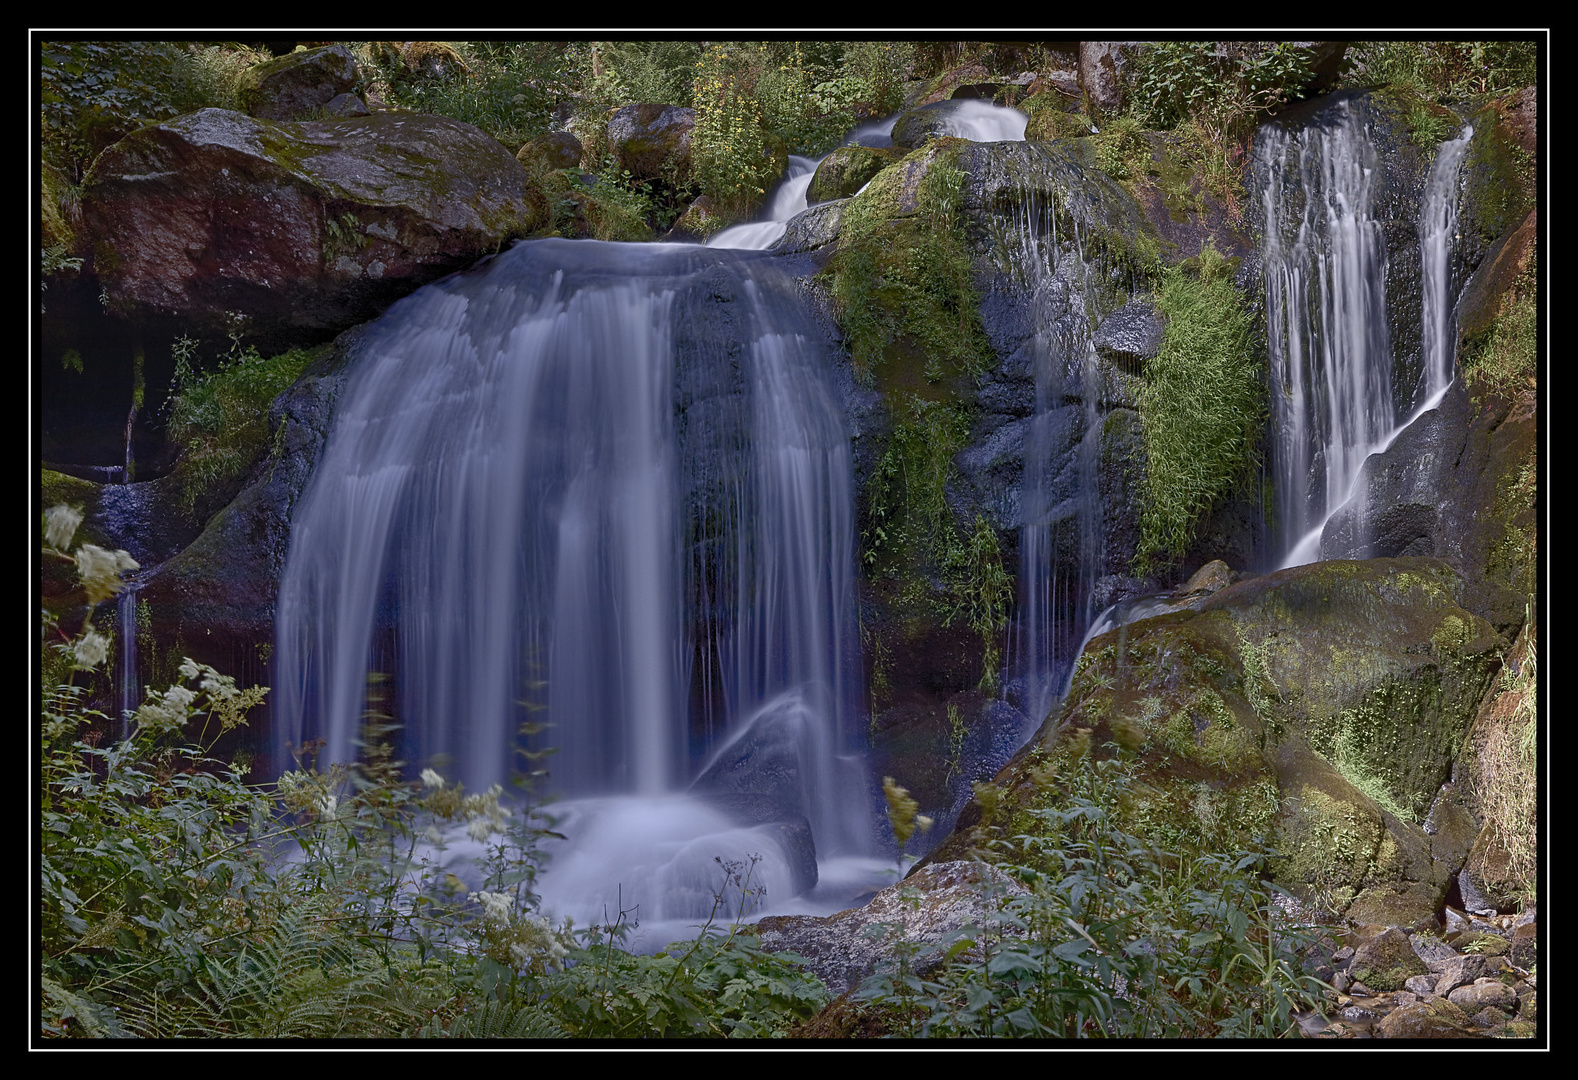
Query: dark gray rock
[
  {"x": 653, "y": 141},
  {"x": 1131, "y": 335},
  {"x": 300, "y": 84}
]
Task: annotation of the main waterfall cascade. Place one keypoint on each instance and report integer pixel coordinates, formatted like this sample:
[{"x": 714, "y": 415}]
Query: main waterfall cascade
[
  {"x": 1332, "y": 357},
  {"x": 606, "y": 488}
]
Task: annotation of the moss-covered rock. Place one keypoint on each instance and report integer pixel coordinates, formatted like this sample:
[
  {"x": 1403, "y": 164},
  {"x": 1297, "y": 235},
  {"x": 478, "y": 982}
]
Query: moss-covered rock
[
  {"x": 299, "y": 227},
  {"x": 1318, "y": 708},
  {"x": 299, "y": 84},
  {"x": 848, "y": 169}
]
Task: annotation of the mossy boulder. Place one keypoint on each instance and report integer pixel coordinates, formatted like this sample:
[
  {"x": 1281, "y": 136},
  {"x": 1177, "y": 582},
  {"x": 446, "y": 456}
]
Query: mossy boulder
[
  {"x": 848, "y": 169},
  {"x": 298, "y": 85},
  {"x": 301, "y": 228},
  {"x": 1319, "y": 709},
  {"x": 653, "y": 141}
]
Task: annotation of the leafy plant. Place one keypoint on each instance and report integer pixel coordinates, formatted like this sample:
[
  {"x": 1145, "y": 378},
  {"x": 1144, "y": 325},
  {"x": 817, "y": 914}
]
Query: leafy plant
[
  {"x": 219, "y": 418},
  {"x": 1108, "y": 937},
  {"x": 1202, "y": 403}
]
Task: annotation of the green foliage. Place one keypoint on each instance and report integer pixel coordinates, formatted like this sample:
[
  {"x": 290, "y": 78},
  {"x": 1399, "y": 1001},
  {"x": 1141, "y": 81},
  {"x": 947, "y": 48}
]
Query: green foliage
[
  {"x": 733, "y": 156},
  {"x": 1443, "y": 70},
  {"x": 1505, "y": 360},
  {"x": 178, "y": 900},
  {"x": 719, "y": 985},
  {"x": 509, "y": 89},
  {"x": 1106, "y": 937},
  {"x": 1202, "y": 403},
  {"x": 220, "y": 418},
  {"x": 1226, "y": 85},
  {"x": 94, "y": 92},
  {"x": 903, "y": 285}
]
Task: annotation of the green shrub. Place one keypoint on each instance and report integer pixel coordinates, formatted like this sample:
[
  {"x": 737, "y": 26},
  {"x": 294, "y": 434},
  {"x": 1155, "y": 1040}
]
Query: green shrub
[
  {"x": 1442, "y": 70},
  {"x": 1107, "y": 937},
  {"x": 1203, "y": 404},
  {"x": 94, "y": 92},
  {"x": 219, "y": 419}
]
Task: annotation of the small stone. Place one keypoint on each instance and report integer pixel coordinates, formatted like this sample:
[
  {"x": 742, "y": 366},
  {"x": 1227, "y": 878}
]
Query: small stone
[
  {"x": 1422, "y": 985},
  {"x": 1483, "y": 993},
  {"x": 1490, "y": 1017},
  {"x": 1461, "y": 971},
  {"x": 1432, "y": 950}
]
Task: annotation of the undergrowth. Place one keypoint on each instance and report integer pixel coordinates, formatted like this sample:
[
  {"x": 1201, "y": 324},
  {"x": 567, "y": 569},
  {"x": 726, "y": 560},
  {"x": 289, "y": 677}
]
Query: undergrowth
[
  {"x": 219, "y": 418},
  {"x": 1203, "y": 406},
  {"x": 1094, "y": 932}
]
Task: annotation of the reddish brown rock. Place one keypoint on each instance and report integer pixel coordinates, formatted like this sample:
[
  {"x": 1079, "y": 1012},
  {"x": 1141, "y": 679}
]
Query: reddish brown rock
[{"x": 312, "y": 226}]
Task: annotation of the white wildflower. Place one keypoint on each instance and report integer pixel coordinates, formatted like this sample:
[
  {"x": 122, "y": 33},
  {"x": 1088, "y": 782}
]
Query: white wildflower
[
  {"x": 327, "y": 804},
  {"x": 60, "y": 525},
  {"x": 189, "y": 668},
  {"x": 496, "y": 906},
  {"x": 432, "y": 779},
  {"x": 91, "y": 650},
  {"x": 101, "y": 570}
]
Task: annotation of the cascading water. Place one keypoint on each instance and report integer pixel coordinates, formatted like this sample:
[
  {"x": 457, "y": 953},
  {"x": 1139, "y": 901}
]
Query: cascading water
[
  {"x": 1060, "y": 548},
  {"x": 1331, "y": 352},
  {"x": 970, "y": 118},
  {"x": 605, "y": 487}
]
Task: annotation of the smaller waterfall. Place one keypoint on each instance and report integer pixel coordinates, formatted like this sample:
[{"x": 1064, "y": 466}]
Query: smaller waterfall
[
  {"x": 126, "y": 625},
  {"x": 1331, "y": 352},
  {"x": 1060, "y": 505},
  {"x": 971, "y": 118}
]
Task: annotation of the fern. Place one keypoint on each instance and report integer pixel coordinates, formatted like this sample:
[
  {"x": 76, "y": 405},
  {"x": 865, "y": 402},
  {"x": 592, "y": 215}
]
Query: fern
[{"x": 497, "y": 1020}]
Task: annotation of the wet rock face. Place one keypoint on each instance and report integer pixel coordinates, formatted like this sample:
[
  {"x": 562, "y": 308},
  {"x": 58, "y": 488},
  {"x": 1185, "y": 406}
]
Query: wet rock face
[{"x": 306, "y": 227}]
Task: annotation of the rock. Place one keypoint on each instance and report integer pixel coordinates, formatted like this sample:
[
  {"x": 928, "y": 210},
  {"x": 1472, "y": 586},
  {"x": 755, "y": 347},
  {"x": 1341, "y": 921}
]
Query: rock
[
  {"x": 1325, "y": 61},
  {"x": 765, "y": 761},
  {"x": 300, "y": 84},
  {"x": 345, "y": 106},
  {"x": 846, "y": 170},
  {"x": 920, "y": 910},
  {"x": 1421, "y": 985},
  {"x": 1386, "y": 961},
  {"x": 1131, "y": 335},
  {"x": 306, "y": 227},
  {"x": 1101, "y": 65},
  {"x": 1423, "y": 1020},
  {"x": 1433, "y": 951},
  {"x": 555, "y": 150},
  {"x": 653, "y": 141},
  {"x": 1459, "y": 971},
  {"x": 811, "y": 229},
  {"x": 1484, "y": 993}
]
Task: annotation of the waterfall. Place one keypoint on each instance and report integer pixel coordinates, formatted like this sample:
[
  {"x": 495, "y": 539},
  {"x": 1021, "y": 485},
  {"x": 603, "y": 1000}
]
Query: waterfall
[
  {"x": 126, "y": 624},
  {"x": 1061, "y": 544},
  {"x": 970, "y": 118},
  {"x": 606, "y": 488},
  {"x": 1325, "y": 259}
]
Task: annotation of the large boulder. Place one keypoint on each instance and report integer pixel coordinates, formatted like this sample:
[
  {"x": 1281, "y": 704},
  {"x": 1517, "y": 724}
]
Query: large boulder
[
  {"x": 1321, "y": 707},
  {"x": 305, "y": 229},
  {"x": 653, "y": 141},
  {"x": 300, "y": 84}
]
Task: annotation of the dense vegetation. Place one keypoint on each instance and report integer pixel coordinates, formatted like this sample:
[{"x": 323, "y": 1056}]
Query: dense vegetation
[{"x": 180, "y": 900}]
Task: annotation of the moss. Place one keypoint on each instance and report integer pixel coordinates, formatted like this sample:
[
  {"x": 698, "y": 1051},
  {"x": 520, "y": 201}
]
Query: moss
[{"x": 901, "y": 280}]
